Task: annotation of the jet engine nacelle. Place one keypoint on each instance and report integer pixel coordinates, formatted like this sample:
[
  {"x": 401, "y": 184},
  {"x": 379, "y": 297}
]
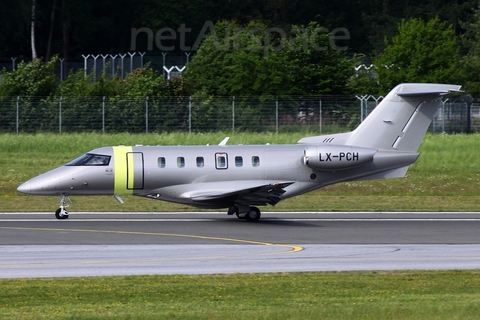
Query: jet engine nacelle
[{"x": 337, "y": 157}]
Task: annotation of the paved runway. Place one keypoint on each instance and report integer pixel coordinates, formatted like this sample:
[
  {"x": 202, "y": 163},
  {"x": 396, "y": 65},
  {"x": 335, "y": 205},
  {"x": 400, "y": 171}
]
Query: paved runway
[{"x": 94, "y": 244}]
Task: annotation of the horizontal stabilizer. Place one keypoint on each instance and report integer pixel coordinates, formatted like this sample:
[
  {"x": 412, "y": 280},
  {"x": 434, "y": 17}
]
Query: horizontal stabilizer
[{"x": 423, "y": 94}]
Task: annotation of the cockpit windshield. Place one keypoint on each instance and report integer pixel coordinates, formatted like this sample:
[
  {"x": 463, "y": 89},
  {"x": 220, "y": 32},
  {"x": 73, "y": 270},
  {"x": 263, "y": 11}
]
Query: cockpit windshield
[{"x": 90, "y": 159}]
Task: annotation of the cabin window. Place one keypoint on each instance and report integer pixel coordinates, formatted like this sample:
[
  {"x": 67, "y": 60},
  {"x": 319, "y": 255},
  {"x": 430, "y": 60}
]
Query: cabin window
[
  {"x": 238, "y": 161},
  {"x": 161, "y": 162},
  {"x": 221, "y": 161},
  {"x": 180, "y": 162},
  {"x": 255, "y": 161},
  {"x": 200, "y": 162}
]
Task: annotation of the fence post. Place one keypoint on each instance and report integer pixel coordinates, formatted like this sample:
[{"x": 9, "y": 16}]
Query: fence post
[
  {"x": 276, "y": 115},
  {"x": 95, "y": 67},
  {"x": 60, "y": 115},
  {"x": 233, "y": 114},
  {"x": 103, "y": 115},
  {"x": 443, "y": 115},
  {"x": 190, "y": 114},
  {"x": 61, "y": 67},
  {"x": 433, "y": 121},
  {"x": 131, "y": 60},
  {"x": 85, "y": 57},
  {"x": 146, "y": 114},
  {"x": 18, "y": 113},
  {"x": 469, "y": 101},
  {"x": 104, "y": 62},
  {"x": 362, "y": 111},
  {"x": 141, "y": 58},
  {"x": 164, "y": 54},
  {"x": 362, "y": 99},
  {"x": 13, "y": 63},
  {"x": 320, "y": 119},
  {"x": 112, "y": 57},
  {"x": 122, "y": 59}
]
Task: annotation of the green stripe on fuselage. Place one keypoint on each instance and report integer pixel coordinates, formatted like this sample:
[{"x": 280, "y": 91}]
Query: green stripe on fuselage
[{"x": 120, "y": 170}]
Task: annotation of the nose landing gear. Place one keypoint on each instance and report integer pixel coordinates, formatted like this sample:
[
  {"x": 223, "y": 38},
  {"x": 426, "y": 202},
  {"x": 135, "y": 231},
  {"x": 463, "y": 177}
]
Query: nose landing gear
[{"x": 61, "y": 213}]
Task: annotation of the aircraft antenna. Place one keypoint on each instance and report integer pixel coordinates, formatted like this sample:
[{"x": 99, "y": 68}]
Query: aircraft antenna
[{"x": 224, "y": 141}]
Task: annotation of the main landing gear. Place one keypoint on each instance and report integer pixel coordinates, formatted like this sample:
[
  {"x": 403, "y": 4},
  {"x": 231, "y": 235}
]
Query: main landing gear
[
  {"x": 61, "y": 213},
  {"x": 247, "y": 213}
]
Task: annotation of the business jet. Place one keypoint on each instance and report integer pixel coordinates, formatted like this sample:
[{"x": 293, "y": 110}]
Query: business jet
[{"x": 241, "y": 177}]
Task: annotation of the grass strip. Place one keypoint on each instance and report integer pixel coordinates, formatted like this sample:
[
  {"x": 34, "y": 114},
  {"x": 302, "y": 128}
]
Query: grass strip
[
  {"x": 326, "y": 295},
  {"x": 446, "y": 177}
]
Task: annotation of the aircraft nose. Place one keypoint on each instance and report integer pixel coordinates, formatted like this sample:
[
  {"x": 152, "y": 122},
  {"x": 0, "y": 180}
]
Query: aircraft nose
[{"x": 25, "y": 187}]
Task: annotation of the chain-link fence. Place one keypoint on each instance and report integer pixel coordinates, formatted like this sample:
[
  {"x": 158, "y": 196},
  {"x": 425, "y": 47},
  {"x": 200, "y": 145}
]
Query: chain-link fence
[{"x": 203, "y": 114}]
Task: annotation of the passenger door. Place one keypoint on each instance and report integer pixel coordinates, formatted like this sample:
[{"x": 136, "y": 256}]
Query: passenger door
[{"x": 135, "y": 171}]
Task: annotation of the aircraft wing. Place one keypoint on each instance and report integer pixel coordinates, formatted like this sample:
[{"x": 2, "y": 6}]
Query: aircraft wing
[{"x": 223, "y": 194}]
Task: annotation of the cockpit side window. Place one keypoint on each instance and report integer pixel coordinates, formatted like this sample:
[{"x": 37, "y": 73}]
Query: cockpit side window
[{"x": 90, "y": 159}]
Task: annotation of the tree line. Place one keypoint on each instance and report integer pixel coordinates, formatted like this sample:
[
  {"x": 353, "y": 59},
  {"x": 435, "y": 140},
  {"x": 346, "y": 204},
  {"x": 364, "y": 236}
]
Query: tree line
[
  {"x": 71, "y": 28},
  {"x": 255, "y": 59}
]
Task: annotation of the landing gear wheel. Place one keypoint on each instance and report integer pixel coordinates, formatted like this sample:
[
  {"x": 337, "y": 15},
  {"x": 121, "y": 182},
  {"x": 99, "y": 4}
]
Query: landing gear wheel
[
  {"x": 61, "y": 215},
  {"x": 253, "y": 214}
]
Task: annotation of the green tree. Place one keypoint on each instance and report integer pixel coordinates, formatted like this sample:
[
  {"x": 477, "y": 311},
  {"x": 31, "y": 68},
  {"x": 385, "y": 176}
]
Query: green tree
[
  {"x": 235, "y": 60},
  {"x": 318, "y": 61},
  {"x": 34, "y": 78},
  {"x": 261, "y": 61},
  {"x": 421, "y": 52},
  {"x": 381, "y": 18},
  {"x": 364, "y": 80},
  {"x": 471, "y": 43},
  {"x": 35, "y": 83}
]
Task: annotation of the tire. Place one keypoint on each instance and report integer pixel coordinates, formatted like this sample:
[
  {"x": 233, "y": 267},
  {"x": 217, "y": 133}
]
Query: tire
[
  {"x": 61, "y": 217},
  {"x": 253, "y": 215}
]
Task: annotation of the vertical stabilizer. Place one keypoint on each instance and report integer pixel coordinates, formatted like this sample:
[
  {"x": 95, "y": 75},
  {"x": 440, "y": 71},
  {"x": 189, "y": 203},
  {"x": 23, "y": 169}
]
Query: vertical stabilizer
[{"x": 401, "y": 120}]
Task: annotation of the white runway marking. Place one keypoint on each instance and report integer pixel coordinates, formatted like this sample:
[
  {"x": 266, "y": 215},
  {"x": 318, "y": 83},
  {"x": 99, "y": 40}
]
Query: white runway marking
[
  {"x": 267, "y": 216},
  {"x": 108, "y": 220},
  {"x": 276, "y": 213},
  {"x": 264, "y": 219}
]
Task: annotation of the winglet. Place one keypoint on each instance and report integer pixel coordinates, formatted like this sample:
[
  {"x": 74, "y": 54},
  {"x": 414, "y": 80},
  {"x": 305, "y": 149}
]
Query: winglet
[{"x": 224, "y": 141}]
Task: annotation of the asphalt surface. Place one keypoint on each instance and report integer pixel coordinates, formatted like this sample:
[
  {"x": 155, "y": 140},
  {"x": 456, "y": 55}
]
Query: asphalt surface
[{"x": 95, "y": 244}]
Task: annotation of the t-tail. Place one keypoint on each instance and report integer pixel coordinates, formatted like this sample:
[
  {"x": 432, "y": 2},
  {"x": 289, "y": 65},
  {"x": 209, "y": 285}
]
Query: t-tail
[
  {"x": 393, "y": 131},
  {"x": 399, "y": 122}
]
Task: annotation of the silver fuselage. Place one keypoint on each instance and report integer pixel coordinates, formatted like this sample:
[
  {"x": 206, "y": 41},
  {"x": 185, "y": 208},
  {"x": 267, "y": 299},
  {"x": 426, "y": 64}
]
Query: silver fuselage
[{"x": 181, "y": 173}]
